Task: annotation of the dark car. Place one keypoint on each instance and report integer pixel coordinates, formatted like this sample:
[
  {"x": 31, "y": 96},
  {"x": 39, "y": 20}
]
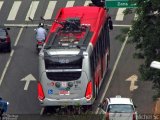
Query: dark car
[{"x": 5, "y": 43}]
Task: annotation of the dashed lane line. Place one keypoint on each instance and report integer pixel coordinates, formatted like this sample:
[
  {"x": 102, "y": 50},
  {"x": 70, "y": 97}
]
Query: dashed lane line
[{"x": 6, "y": 66}]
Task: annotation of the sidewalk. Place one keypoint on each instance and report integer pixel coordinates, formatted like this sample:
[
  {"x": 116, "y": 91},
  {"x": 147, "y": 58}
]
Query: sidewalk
[{"x": 157, "y": 107}]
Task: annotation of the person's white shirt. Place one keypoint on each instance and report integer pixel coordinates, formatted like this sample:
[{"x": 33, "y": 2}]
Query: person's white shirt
[{"x": 41, "y": 34}]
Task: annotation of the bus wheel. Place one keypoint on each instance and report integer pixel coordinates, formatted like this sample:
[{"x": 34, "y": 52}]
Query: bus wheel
[
  {"x": 96, "y": 92},
  {"x": 107, "y": 61},
  {"x": 98, "y": 87}
]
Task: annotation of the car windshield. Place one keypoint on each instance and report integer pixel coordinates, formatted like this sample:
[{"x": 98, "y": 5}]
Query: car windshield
[
  {"x": 2, "y": 32},
  {"x": 120, "y": 108}
]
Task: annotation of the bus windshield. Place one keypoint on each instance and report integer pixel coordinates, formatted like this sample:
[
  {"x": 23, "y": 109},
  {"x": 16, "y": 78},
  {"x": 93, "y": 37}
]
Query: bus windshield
[
  {"x": 120, "y": 108},
  {"x": 63, "y": 62}
]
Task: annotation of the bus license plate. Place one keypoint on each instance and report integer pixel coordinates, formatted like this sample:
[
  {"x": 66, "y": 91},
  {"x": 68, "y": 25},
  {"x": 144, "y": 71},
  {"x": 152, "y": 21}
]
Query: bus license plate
[{"x": 64, "y": 92}]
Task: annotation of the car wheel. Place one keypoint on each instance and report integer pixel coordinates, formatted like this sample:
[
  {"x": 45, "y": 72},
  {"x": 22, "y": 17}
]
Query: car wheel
[{"x": 9, "y": 48}]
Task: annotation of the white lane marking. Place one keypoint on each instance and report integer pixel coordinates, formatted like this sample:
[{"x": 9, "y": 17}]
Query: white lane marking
[
  {"x": 14, "y": 10},
  {"x": 32, "y": 10},
  {"x": 6, "y": 67},
  {"x": 120, "y": 14},
  {"x": 132, "y": 79},
  {"x": 35, "y": 25},
  {"x": 21, "y": 25},
  {"x": 50, "y": 9},
  {"x": 70, "y": 4},
  {"x": 10, "y": 57},
  {"x": 113, "y": 71},
  {"x": 42, "y": 110},
  {"x": 1, "y": 3},
  {"x": 28, "y": 79},
  {"x": 115, "y": 25},
  {"x": 87, "y": 3},
  {"x": 20, "y": 32}
]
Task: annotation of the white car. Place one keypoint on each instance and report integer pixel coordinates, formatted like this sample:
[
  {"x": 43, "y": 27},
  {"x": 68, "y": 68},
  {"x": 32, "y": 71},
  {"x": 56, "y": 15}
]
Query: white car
[{"x": 118, "y": 108}]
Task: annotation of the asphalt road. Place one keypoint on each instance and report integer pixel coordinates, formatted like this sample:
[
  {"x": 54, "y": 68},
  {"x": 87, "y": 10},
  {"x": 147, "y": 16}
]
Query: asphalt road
[
  {"x": 23, "y": 61},
  {"x": 127, "y": 68}
]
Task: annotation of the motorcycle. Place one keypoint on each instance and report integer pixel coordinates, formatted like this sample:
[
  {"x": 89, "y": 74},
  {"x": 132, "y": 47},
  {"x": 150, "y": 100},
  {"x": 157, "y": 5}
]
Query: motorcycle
[
  {"x": 39, "y": 45},
  {"x": 41, "y": 42}
]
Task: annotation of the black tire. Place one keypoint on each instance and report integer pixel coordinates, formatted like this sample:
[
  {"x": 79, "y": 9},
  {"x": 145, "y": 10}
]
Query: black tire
[
  {"x": 38, "y": 50},
  {"x": 108, "y": 61},
  {"x": 98, "y": 87},
  {"x": 96, "y": 92},
  {"x": 9, "y": 48}
]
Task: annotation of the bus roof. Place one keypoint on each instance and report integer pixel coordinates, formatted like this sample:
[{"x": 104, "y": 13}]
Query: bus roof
[{"x": 89, "y": 15}]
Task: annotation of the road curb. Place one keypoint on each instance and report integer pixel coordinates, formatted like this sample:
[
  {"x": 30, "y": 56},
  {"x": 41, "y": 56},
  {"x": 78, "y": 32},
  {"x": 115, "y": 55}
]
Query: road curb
[{"x": 157, "y": 107}]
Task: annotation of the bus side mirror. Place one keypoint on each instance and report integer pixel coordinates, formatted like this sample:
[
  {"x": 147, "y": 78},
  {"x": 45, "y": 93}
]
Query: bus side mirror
[{"x": 110, "y": 23}]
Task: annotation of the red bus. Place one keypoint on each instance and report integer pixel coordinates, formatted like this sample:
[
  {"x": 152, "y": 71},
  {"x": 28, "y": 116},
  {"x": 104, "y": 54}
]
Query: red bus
[{"x": 75, "y": 57}]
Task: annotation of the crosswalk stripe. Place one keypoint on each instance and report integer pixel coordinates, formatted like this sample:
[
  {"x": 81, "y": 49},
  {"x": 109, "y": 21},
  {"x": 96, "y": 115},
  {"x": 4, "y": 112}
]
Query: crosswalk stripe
[
  {"x": 87, "y": 3},
  {"x": 32, "y": 10},
  {"x": 14, "y": 10},
  {"x": 120, "y": 14},
  {"x": 50, "y": 9},
  {"x": 70, "y": 3},
  {"x": 1, "y": 3}
]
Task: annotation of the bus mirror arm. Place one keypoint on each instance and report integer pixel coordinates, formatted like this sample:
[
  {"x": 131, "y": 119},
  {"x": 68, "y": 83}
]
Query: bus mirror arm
[{"x": 110, "y": 23}]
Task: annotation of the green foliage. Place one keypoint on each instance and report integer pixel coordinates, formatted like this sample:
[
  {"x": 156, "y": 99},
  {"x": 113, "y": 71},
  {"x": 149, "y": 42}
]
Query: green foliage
[
  {"x": 128, "y": 11},
  {"x": 121, "y": 37},
  {"x": 145, "y": 34}
]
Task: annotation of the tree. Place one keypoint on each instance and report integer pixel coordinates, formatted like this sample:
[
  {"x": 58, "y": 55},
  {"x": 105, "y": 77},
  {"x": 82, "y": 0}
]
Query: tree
[{"x": 145, "y": 34}]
